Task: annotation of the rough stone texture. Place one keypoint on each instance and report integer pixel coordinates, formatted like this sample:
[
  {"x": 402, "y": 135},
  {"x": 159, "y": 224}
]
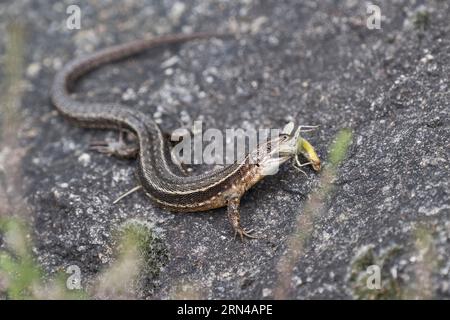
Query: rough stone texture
[{"x": 314, "y": 62}]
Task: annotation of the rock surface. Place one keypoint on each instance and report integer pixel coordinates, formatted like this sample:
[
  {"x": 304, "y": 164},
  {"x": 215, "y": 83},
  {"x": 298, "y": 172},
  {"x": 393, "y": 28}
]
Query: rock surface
[{"x": 315, "y": 62}]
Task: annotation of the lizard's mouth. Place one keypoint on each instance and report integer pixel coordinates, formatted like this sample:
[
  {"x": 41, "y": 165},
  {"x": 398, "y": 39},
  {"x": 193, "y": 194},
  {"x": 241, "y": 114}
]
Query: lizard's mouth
[
  {"x": 296, "y": 145},
  {"x": 287, "y": 146}
]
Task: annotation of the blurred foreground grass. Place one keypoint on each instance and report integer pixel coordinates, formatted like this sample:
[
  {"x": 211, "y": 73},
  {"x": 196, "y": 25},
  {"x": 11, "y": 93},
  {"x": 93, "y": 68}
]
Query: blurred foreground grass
[
  {"x": 22, "y": 278},
  {"x": 314, "y": 207}
]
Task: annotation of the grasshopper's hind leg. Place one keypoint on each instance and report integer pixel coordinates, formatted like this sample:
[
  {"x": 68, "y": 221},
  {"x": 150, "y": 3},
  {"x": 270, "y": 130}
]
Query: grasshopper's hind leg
[{"x": 235, "y": 219}]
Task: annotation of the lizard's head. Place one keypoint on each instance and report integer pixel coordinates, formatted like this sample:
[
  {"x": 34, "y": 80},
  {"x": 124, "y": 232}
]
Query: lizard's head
[{"x": 287, "y": 145}]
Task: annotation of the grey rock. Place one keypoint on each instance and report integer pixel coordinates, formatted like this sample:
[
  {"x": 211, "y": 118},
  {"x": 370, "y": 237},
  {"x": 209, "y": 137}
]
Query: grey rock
[{"x": 315, "y": 62}]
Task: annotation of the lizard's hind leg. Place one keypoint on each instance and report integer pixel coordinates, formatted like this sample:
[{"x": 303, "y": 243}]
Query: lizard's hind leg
[{"x": 119, "y": 148}]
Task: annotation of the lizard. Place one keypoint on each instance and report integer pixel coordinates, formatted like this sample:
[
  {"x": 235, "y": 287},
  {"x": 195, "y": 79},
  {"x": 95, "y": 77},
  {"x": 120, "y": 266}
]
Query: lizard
[{"x": 159, "y": 177}]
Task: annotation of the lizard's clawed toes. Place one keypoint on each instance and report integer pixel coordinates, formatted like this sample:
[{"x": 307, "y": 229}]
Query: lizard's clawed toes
[{"x": 245, "y": 233}]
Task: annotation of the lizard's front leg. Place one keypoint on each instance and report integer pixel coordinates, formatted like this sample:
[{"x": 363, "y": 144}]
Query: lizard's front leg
[{"x": 235, "y": 219}]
